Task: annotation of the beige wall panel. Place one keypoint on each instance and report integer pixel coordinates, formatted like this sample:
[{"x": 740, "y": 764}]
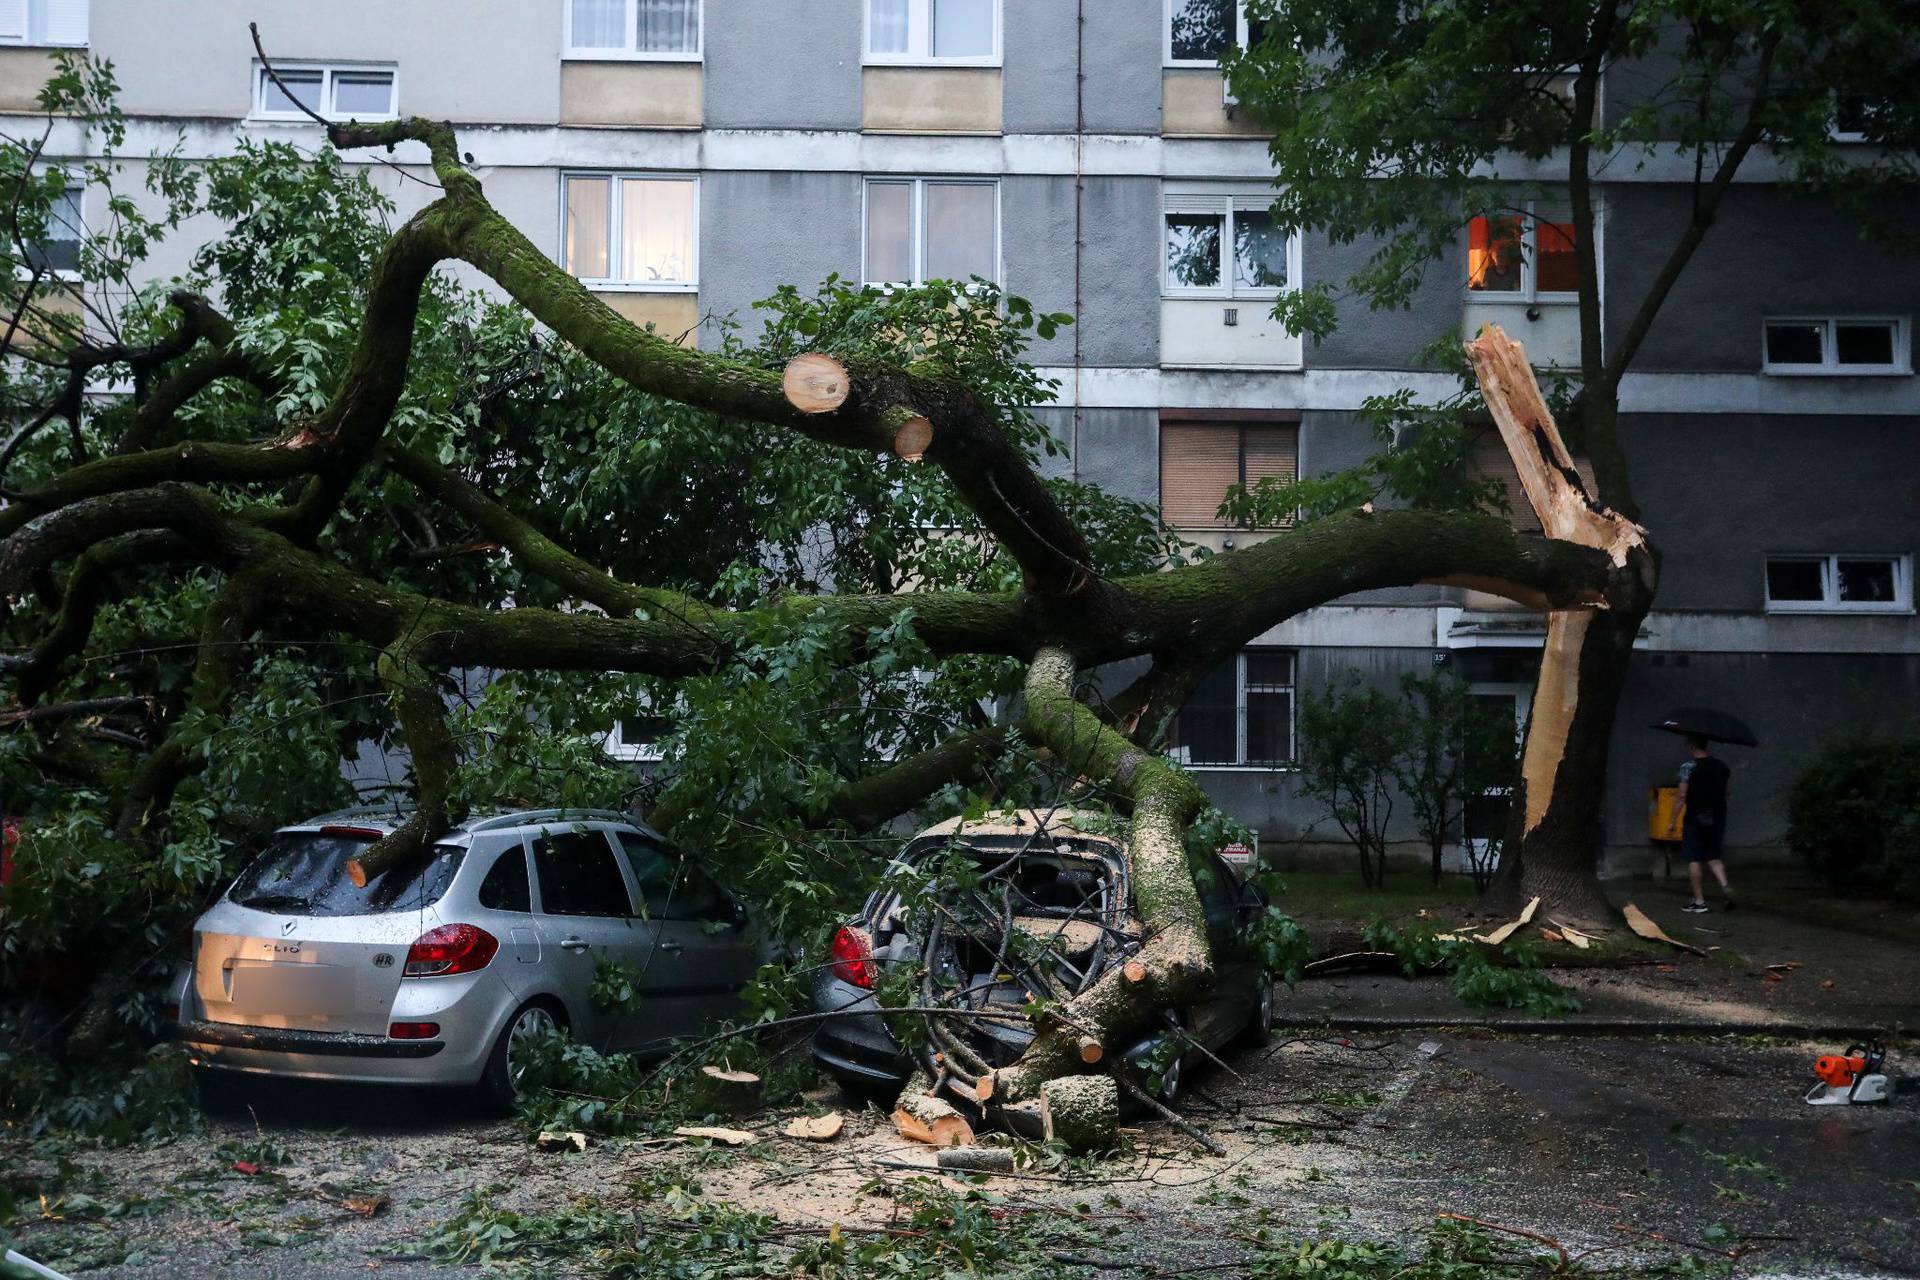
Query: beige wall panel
[
  {"x": 647, "y": 95},
  {"x": 671, "y": 314},
  {"x": 1193, "y": 103},
  {"x": 23, "y": 73},
  {"x": 930, "y": 100}
]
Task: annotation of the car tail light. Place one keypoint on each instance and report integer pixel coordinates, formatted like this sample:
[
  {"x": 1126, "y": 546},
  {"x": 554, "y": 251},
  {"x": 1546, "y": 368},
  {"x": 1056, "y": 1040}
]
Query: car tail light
[
  {"x": 450, "y": 949},
  {"x": 413, "y": 1030},
  {"x": 852, "y": 956}
]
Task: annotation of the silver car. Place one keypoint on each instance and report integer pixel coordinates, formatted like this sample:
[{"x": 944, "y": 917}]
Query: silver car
[{"x": 441, "y": 974}]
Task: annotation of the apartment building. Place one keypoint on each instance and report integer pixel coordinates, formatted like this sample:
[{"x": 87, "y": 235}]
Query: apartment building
[{"x": 685, "y": 157}]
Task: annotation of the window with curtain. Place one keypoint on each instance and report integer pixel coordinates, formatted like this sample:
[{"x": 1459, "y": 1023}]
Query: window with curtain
[
  {"x": 921, "y": 229},
  {"x": 965, "y": 31},
  {"x": 631, "y": 230},
  {"x": 1200, "y": 460},
  {"x": 634, "y": 28},
  {"x": 1526, "y": 255}
]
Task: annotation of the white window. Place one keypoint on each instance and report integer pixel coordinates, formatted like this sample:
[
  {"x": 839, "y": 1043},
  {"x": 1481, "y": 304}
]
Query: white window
[
  {"x": 1836, "y": 345},
  {"x": 1855, "y": 116},
  {"x": 58, "y": 251},
  {"x": 1226, "y": 246},
  {"x": 1197, "y": 32},
  {"x": 637, "y": 737},
  {"x": 1839, "y": 584},
  {"x": 1526, "y": 255},
  {"x": 44, "y": 22},
  {"x": 631, "y": 231},
  {"x": 658, "y": 30},
  {"x": 342, "y": 91},
  {"x": 946, "y": 32},
  {"x": 1241, "y": 714},
  {"x": 921, "y": 229}
]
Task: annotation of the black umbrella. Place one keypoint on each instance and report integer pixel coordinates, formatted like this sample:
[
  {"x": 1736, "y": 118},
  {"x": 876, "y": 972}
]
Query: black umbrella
[{"x": 1704, "y": 722}]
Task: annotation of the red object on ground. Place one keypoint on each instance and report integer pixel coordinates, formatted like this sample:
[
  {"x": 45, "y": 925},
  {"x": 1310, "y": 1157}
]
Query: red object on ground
[{"x": 247, "y": 1167}]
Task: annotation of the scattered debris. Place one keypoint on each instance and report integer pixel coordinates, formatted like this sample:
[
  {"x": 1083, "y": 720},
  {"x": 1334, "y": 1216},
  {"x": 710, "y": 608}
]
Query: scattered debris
[
  {"x": 1573, "y": 935},
  {"x": 816, "y": 1128},
  {"x": 571, "y": 1140},
  {"x": 367, "y": 1204},
  {"x": 1638, "y": 921},
  {"x": 1508, "y": 929},
  {"x": 921, "y": 1116},
  {"x": 715, "y": 1133},
  {"x": 976, "y": 1159},
  {"x": 248, "y": 1167}
]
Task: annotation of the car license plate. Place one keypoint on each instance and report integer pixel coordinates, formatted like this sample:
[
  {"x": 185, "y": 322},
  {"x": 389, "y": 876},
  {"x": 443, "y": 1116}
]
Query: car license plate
[{"x": 291, "y": 989}]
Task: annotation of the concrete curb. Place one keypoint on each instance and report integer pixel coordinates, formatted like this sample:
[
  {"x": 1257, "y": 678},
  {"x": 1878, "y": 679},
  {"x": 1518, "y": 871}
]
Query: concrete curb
[{"x": 1591, "y": 1026}]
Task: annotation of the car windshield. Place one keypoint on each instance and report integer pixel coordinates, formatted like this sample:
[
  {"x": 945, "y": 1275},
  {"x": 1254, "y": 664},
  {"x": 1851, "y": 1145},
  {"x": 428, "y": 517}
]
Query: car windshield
[{"x": 304, "y": 873}]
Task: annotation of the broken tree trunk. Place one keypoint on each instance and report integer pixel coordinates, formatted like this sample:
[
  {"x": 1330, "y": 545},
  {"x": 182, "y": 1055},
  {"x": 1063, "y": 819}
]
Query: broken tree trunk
[
  {"x": 920, "y": 1115},
  {"x": 733, "y": 1092},
  {"x": 1554, "y": 834}
]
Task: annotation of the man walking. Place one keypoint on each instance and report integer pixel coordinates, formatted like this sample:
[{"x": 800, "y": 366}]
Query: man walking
[{"x": 1704, "y": 779}]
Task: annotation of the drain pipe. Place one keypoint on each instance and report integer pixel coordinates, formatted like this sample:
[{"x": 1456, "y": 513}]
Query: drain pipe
[{"x": 1079, "y": 215}]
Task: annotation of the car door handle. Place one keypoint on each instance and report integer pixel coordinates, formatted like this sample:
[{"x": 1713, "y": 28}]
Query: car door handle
[{"x": 573, "y": 944}]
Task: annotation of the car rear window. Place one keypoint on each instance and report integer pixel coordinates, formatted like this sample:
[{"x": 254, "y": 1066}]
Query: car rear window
[{"x": 304, "y": 873}]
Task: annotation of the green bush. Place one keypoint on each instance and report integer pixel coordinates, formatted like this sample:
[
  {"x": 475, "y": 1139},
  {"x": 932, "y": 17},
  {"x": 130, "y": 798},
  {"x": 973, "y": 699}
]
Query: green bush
[{"x": 1854, "y": 815}]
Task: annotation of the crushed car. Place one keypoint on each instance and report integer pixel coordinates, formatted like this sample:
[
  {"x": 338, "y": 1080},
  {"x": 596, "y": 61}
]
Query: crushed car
[{"x": 982, "y": 915}]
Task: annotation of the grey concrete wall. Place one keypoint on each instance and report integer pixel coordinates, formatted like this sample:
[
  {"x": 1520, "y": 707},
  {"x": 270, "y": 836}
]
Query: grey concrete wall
[
  {"x": 1722, "y": 490},
  {"x": 196, "y": 60},
  {"x": 774, "y": 64},
  {"x": 1389, "y": 339},
  {"x": 1119, "y": 322},
  {"x": 1119, "y": 449},
  {"x": 1122, "y": 57},
  {"x": 761, "y": 230},
  {"x": 1769, "y": 253}
]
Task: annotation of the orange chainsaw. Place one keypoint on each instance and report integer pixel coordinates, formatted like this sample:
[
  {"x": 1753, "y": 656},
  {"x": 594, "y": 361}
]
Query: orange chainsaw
[{"x": 1856, "y": 1076}]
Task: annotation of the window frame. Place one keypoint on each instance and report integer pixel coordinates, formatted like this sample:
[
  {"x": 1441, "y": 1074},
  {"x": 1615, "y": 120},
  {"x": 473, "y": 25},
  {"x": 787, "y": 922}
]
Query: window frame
[
  {"x": 77, "y": 187},
  {"x": 1166, "y": 37},
  {"x": 1830, "y": 366},
  {"x": 330, "y": 72},
  {"x": 920, "y": 40},
  {"x": 644, "y": 752},
  {"x": 569, "y": 53},
  {"x": 917, "y": 218},
  {"x": 25, "y": 39},
  {"x": 616, "y": 192},
  {"x": 1240, "y": 761},
  {"x": 1529, "y": 293},
  {"x": 1829, "y": 562},
  {"x": 1230, "y": 203}
]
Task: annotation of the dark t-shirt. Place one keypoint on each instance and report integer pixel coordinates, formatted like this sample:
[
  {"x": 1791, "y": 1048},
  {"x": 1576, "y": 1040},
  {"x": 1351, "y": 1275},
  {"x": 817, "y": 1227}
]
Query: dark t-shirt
[{"x": 1706, "y": 782}]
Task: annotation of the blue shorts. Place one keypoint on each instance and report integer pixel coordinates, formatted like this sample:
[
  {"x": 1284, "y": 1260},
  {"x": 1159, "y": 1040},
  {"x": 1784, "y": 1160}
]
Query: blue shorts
[{"x": 1701, "y": 843}]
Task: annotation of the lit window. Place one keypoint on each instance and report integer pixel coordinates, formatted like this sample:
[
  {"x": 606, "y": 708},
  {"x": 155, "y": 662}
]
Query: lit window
[
  {"x": 1226, "y": 246},
  {"x": 1198, "y": 32},
  {"x": 921, "y": 229},
  {"x": 44, "y": 22},
  {"x": 1241, "y": 713},
  {"x": 1836, "y": 345},
  {"x": 667, "y": 30},
  {"x": 333, "y": 92},
  {"x": 965, "y": 32},
  {"x": 1840, "y": 584},
  {"x": 1524, "y": 256},
  {"x": 630, "y": 231},
  {"x": 1201, "y": 459}
]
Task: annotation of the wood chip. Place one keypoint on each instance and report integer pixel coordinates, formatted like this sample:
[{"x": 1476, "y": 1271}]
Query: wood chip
[
  {"x": 1638, "y": 921},
  {"x": 715, "y": 1133},
  {"x": 571, "y": 1140},
  {"x": 1574, "y": 936},
  {"x": 1507, "y": 930},
  {"x": 816, "y": 1128}
]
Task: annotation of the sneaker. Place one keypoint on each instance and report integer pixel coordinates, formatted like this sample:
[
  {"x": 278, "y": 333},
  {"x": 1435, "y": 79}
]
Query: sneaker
[{"x": 1696, "y": 908}]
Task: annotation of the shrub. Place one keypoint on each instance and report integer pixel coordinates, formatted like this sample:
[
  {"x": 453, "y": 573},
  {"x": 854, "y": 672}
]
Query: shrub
[{"x": 1854, "y": 815}]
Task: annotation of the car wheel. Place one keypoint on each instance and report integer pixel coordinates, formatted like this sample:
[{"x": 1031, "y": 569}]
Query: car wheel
[
  {"x": 1173, "y": 1081},
  {"x": 507, "y": 1064},
  {"x": 1259, "y": 1032}
]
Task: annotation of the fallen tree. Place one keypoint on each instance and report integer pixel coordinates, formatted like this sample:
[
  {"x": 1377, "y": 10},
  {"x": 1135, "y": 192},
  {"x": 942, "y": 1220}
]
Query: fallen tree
[{"x": 276, "y": 531}]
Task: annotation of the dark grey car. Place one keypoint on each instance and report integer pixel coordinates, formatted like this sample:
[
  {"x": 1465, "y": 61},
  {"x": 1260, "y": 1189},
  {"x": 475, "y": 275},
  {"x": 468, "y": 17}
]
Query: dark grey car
[{"x": 1063, "y": 895}]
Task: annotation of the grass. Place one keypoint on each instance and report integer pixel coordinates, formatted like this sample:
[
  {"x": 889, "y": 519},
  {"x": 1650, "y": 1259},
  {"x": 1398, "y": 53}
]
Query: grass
[{"x": 1329, "y": 897}]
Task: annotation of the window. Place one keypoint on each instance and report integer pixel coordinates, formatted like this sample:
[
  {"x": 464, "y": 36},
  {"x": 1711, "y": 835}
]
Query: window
[
  {"x": 921, "y": 229},
  {"x": 1836, "y": 345},
  {"x": 948, "y": 32},
  {"x": 58, "y": 250},
  {"x": 1200, "y": 459},
  {"x": 1198, "y": 32},
  {"x": 632, "y": 232},
  {"x": 659, "y": 30},
  {"x": 1839, "y": 584},
  {"x": 1857, "y": 117},
  {"x": 671, "y": 887},
  {"x": 506, "y": 887},
  {"x": 1523, "y": 256},
  {"x": 637, "y": 737},
  {"x": 43, "y": 22},
  {"x": 1241, "y": 714},
  {"x": 578, "y": 876},
  {"x": 1226, "y": 246},
  {"x": 335, "y": 92}
]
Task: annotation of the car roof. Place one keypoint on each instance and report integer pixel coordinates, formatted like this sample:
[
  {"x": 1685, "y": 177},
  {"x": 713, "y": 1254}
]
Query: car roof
[
  {"x": 1085, "y": 823},
  {"x": 387, "y": 817}
]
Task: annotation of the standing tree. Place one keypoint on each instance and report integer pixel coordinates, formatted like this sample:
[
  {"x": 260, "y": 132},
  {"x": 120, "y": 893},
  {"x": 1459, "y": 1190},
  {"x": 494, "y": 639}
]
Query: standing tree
[
  {"x": 1354, "y": 743},
  {"x": 1458, "y": 749},
  {"x": 1399, "y": 123}
]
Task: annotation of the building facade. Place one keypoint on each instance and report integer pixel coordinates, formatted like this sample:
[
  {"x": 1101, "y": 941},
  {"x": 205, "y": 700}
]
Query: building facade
[{"x": 685, "y": 157}]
